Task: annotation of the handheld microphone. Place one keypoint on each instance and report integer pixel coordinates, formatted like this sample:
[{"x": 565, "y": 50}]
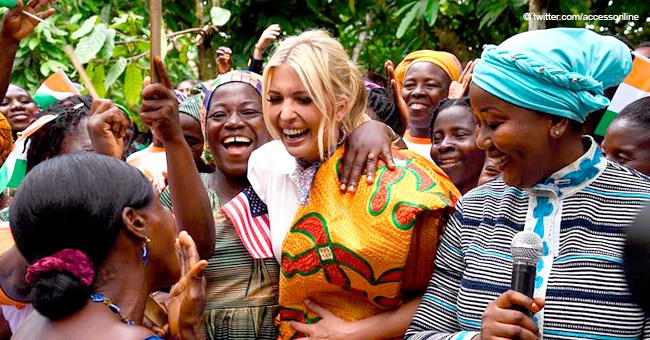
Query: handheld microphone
[{"x": 526, "y": 248}]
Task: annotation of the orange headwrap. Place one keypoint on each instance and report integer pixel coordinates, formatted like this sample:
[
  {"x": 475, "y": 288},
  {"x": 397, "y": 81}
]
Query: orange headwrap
[
  {"x": 445, "y": 60},
  {"x": 6, "y": 140}
]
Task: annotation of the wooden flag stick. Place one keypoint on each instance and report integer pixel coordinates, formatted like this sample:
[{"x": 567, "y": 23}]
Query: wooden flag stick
[
  {"x": 69, "y": 50},
  {"x": 155, "y": 18}
]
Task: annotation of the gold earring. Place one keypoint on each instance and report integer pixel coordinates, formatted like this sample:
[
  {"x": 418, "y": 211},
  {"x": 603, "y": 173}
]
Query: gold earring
[{"x": 557, "y": 133}]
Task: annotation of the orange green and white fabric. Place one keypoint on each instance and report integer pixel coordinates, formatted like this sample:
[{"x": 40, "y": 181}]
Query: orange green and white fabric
[
  {"x": 56, "y": 87},
  {"x": 356, "y": 254},
  {"x": 15, "y": 166},
  {"x": 635, "y": 86}
]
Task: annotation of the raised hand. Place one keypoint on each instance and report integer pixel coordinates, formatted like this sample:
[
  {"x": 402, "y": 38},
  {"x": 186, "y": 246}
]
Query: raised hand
[
  {"x": 396, "y": 88},
  {"x": 187, "y": 297},
  {"x": 268, "y": 36},
  {"x": 224, "y": 59},
  {"x": 18, "y": 25},
  {"x": 107, "y": 128},
  {"x": 499, "y": 321},
  {"x": 159, "y": 109},
  {"x": 459, "y": 89}
]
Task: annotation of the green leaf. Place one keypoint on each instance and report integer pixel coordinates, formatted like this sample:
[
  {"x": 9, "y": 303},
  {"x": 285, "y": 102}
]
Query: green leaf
[
  {"x": 109, "y": 45},
  {"x": 405, "y": 24},
  {"x": 48, "y": 36},
  {"x": 132, "y": 84},
  {"x": 32, "y": 43},
  {"x": 98, "y": 80},
  {"x": 73, "y": 20},
  {"x": 105, "y": 15},
  {"x": 85, "y": 28},
  {"x": 90, "y": 45},
  {"x": 313, "y": 5},
  {"x": 115, "y": 72},
  {"x": 403, "y": 9},
  {"x": 431, "y": 13},
  {"x": 49, "y": 67},
  {"x": 219, "y": 16},
  {"x": 352, "y": 6}
]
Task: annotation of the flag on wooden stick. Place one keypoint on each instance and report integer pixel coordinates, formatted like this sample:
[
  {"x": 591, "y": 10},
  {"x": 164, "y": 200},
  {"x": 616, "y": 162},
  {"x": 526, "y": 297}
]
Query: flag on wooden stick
[{"x": 635, "y": 86}]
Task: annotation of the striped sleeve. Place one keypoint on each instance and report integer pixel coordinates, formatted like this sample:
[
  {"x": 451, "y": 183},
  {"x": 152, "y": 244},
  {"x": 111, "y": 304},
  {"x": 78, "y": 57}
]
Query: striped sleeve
[{"x": 436, "y": 317}]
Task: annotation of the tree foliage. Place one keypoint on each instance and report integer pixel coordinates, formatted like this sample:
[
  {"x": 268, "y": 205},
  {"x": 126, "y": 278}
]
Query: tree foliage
[{"x": 112, "y": 37}]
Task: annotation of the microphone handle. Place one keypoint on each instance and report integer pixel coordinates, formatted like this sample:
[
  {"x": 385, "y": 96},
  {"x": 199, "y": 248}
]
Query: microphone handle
[{"x": 523, "y": 281}]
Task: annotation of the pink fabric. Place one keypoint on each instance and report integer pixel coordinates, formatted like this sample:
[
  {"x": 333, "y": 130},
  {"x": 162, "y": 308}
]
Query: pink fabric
[{"x": 72, "y": 261}]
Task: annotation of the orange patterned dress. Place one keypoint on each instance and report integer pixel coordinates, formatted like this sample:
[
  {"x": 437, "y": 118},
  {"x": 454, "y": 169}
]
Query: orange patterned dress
[
  {"x": 6, "y": 139},
  {"x": 359, "y": 255}
]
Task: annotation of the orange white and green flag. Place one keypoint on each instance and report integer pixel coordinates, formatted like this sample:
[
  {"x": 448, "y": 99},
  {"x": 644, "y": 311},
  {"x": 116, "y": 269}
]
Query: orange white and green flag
[
  {"x": 56, "y": 87},
  {"x": 15, "y": 167},
  {"x": 635, "y": 86}
]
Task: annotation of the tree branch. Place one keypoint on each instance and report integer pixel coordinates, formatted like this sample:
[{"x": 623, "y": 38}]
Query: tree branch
[{"x": 169, "y": 36}]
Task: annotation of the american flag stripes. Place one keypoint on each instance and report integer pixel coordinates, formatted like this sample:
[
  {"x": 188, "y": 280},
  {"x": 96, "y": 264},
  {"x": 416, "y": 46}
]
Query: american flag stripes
[{"x": 251, "y": 220}]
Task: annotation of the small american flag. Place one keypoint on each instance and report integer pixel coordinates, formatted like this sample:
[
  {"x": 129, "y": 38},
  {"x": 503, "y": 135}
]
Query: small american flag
[{"x": 251, "y": 220}]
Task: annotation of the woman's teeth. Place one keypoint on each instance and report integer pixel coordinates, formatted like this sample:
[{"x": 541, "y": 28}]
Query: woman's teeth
[
  {"x": 449, "y": 161},
  {"x": 293, "y": 132},
  {"x": 237, "y": 139},
  {"x": 417, "y": 106}
]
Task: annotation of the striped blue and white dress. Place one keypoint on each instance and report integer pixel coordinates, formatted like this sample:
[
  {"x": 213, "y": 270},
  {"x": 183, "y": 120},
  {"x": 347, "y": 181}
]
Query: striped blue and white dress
[{"x": 580, "y": 212}]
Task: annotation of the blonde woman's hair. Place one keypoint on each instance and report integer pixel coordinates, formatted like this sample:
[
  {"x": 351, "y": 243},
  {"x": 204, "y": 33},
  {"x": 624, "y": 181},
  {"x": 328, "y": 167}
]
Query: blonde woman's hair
[{"x": 328, "y": 74}]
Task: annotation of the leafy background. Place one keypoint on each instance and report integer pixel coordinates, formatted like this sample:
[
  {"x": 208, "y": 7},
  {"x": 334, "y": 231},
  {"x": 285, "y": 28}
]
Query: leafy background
[{"x": 111, "y": 36}]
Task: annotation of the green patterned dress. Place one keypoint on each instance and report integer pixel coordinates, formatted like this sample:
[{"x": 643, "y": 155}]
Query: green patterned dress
[{"x": 242, "y": 298}]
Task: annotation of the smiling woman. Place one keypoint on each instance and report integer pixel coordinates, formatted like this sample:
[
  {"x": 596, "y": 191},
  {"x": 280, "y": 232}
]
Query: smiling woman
[
  {"x": 425, "y": 77},
  {"x": 352, "y": 267},
  {"x": 241, "y": 293},
  {"x": 19, "y": 108},
  {"x": 454, "y": 147},
  {"x": 555, "y": 183}
]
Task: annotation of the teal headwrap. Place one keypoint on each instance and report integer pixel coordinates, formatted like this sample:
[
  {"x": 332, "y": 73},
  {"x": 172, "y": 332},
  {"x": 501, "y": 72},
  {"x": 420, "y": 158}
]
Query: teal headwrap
[{"x": 560, "y": 71}]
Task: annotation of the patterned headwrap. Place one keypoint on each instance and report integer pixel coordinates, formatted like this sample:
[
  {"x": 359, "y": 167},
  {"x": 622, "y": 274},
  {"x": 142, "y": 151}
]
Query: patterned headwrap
[
  {"x": 560, "y": 71},
  {"x": 445, "y": 60},
  {"x": 192, "y": 106},
  {"x": 204, "y": 95}
]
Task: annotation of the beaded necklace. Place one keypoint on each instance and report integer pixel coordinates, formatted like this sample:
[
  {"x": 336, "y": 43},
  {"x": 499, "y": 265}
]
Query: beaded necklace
[{"x": 99, "y": 297}]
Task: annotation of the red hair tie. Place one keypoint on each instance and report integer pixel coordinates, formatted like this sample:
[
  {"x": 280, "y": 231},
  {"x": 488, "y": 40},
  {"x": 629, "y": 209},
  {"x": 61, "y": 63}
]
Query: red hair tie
[{"x": 73, "y": 261}]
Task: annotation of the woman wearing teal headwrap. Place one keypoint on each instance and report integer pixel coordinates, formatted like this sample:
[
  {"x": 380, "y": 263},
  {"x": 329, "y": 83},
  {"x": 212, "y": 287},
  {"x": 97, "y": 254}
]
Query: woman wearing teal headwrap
[{"x": 531, "y": 95}]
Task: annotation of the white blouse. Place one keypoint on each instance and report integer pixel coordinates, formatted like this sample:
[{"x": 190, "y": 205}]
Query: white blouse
[{"x": 273, "y": 174}]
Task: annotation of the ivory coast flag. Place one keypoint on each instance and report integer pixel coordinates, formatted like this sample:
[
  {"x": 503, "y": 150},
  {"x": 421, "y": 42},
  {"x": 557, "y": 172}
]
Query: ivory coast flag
[
  {"x": 56, "y": 87},
  {"x": 15, "y": 167},
  {"x": 635, "y": 86},
  {"x": 7, "y": 3}
]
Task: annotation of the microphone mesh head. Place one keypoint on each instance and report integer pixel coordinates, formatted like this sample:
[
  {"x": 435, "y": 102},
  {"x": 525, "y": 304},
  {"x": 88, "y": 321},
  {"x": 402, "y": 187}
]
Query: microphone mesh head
[{"x": 526, "y": 245}]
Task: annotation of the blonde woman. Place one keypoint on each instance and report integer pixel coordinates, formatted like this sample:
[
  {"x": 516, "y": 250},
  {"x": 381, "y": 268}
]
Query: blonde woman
[{"x": 347, "y": 261}]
